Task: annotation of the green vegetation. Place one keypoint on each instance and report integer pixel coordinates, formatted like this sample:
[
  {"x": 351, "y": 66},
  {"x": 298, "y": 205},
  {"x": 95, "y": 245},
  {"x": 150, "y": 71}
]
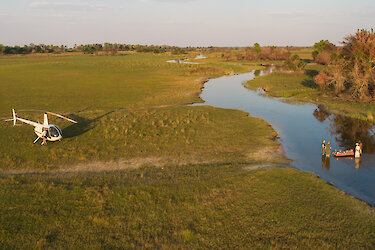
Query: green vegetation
[
  {"x": 177, "y": 135},
  {"x": 213, "y": 206},
  {"x": 305, "y": 53},
  {"x": 323, "y": 52},
  {"x": 71, "y": 83},
  {"x": 301, "y": 86},
  {"x": 97, "y": 48},
  {"x": 141, "y": 169},
  {"x": 126, "y": 106}
]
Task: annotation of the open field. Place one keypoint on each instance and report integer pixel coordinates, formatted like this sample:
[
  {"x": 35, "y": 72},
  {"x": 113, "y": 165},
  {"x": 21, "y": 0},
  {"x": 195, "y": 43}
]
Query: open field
[
  {"x": 172, "y": 135},
  {"x": 142, "y": 169},
  {"x": 126, "y": 106}
]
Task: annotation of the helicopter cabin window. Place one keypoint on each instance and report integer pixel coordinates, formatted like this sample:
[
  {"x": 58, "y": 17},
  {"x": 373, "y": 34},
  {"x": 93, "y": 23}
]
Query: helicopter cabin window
[
  {"x": 60, "y": 132},
  {"x": 54, "y": 132}
]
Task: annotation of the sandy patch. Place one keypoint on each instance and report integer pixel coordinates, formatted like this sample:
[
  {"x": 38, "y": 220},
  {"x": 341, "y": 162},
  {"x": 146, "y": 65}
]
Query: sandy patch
[
  {"x": 122, "y": 164},
  {"x": 267, "y": 154}
]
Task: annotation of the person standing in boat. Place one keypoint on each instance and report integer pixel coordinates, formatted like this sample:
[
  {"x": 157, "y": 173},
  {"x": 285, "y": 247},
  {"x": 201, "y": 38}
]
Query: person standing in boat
[
  {"x": 360, "y": 146},
  {"x": 357, "y": 151},
  {"x": 323, "y": 147},
  {"x": 328, "y": 149}
]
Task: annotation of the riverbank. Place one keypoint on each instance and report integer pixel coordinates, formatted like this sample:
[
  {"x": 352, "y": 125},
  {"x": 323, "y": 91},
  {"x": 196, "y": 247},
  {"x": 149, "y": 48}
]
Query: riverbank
[
  {"x": 300, "y": 87},
  {"x": 134, "y": 112}
]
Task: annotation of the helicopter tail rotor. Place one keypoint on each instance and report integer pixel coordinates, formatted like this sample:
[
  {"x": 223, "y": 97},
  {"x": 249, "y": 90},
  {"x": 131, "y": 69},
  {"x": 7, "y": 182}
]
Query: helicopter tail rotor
[{"x": 14, "y": 119}]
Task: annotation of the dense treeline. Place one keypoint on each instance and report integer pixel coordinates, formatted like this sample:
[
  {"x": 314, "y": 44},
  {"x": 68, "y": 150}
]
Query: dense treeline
[
  {"x": 249, "y": 53},
  {"x": 108, "y": 48},
  {"x": 257, "y": 53},
  {"x": 350, "y": 70}
]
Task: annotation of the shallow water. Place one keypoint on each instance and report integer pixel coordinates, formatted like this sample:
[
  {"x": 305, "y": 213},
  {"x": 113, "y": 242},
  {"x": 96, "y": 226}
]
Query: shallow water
[
  {"x": 182, "y": 61},
  {"x": 187, "y": 60},
  {"x": 301, "y": 129},
  {"x": 200, "y": 57}
]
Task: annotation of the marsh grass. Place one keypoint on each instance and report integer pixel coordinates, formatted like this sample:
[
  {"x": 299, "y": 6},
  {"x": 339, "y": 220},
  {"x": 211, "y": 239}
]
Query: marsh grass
[
  {"x": 209, "y": 206},
  {"x": 72, "y": 83},
  {"x": 178, "y": 133},
  {"x": 129, "y": 110},
  {"x": 119, "y": 103}
]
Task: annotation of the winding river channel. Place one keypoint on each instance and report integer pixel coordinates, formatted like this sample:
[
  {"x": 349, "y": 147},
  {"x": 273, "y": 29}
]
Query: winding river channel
[{"x": 301, "y": 129}]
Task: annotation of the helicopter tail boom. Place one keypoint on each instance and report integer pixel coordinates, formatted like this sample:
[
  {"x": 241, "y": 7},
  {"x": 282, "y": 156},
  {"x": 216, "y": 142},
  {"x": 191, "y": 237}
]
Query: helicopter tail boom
[{"x": 14, "y": 117}]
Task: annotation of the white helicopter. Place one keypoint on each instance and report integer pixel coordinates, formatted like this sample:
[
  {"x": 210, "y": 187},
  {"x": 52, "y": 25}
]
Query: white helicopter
[{"x": 44, "y": 131}]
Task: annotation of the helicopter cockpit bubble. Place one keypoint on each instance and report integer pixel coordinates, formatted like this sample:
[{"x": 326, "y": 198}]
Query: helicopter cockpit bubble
[{"x": 54, "y": 131}]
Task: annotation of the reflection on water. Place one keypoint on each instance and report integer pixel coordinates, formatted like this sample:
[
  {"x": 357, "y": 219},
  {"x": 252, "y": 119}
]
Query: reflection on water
[
  {"x": 326, "y": 162},
  {"x": 301, "y": 129},
  {"x": 348, "y": 131},
  {"x": 357, "y": 162}
]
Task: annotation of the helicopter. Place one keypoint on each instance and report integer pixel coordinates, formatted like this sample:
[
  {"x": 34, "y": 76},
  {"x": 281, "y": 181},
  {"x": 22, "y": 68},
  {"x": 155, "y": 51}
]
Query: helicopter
[{"x": 44, "y": 131}]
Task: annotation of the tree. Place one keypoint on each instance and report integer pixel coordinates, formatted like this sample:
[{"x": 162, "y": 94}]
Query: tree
[
  {"x": 351, "y": 67},
  {"x": 239, "y": 56},
  {"x": 249, "y": 55},
  {"x": 227, "y": 55},
  {"x": 257, "y": 50},
  {"x": 323, "y": 52},
  {"x": 295, "y": 63}
]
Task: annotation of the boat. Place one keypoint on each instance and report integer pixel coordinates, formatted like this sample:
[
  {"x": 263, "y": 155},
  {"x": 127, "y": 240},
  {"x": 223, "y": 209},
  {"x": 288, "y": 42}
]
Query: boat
[{"x": 346, "y": 153}]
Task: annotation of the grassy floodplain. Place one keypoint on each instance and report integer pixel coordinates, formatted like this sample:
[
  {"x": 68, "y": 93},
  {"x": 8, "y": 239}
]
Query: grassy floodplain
[{"x": 141, "y": 169}]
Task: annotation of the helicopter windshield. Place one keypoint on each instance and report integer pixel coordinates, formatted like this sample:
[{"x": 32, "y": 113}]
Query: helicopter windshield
[{"x": 54, "y": 132}]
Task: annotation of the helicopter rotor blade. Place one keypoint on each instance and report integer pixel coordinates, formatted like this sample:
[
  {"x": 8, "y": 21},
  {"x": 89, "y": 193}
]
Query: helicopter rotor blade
[
  {"x": 51, "y": 113},
  {"x": 63, "y": 117},
  {"x": 36, "y": 110}
]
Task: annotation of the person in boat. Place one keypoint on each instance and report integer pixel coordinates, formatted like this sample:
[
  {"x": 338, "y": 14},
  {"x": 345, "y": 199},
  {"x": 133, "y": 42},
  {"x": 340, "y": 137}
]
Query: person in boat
[
  {"x": 360, "y": 146},
  {"x": 323, "y": 147},
  {"x": 357, "y": 151},
  {"x": 328, "y": 149}
]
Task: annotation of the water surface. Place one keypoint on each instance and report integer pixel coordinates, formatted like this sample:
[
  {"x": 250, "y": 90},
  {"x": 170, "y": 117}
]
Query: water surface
[{"x": 301, "y": 129}]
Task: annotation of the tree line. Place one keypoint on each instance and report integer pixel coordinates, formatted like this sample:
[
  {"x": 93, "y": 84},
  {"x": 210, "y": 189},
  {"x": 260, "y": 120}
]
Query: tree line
[
  {"x": 350, "y": 68},
  {"x": 256, "y": 52},
  {"x": 107, "y": 48}
]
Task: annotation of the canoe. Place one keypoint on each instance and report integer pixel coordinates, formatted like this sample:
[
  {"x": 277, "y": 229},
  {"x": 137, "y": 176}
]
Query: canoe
[{"x": 346, "y": 153}]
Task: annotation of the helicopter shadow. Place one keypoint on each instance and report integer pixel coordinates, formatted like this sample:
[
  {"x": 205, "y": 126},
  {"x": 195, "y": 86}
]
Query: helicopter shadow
[{"x": 82, "y": 126}]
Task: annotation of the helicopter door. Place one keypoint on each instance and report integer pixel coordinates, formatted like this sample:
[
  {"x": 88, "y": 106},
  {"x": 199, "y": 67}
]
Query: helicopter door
[{"x": 54, "y": 132}]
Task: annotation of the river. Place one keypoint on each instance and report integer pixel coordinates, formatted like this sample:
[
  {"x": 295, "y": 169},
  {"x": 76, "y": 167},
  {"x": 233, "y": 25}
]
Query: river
[{"x": 301, "y": 129}]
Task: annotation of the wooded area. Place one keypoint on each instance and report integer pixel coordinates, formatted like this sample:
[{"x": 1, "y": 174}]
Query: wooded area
[{"x": 350, "y": 70}]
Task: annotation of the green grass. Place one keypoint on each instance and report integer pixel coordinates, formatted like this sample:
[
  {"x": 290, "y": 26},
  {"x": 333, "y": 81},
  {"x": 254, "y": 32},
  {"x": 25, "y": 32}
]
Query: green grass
[
  {"x": 174, "y": 134},
  {"x": 140, "y": 169},
  {"x": 213, "y": 206},
  {"x": 126, "y": 107},
  {"x": 72, "y": 83},
  {"x": 304, "y": 53}
]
